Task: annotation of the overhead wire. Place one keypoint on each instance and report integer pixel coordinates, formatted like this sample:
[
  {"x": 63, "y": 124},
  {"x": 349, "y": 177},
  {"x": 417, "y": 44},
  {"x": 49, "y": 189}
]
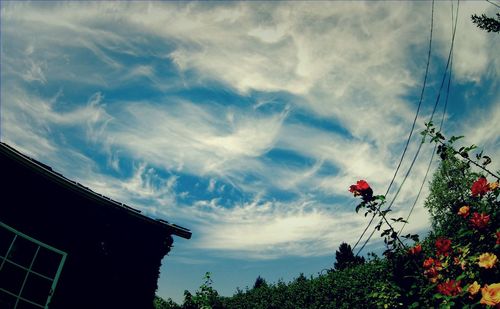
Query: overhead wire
[
  {"x": 498, "y": 6},
  {"x": 440, "y": 129},
  {"x": 413, "y": 125},
  {"x": 430, "y": 161},
  {"x": 422, "y": 141}
]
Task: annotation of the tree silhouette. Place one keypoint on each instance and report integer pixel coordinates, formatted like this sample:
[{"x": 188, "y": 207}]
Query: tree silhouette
[
  {"x": 345, "y": 257},
  {"x": 259, "y": 282}
]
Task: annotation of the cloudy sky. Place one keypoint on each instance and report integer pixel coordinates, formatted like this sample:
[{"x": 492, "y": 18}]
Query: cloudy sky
[{"x": 244, "y": 122}]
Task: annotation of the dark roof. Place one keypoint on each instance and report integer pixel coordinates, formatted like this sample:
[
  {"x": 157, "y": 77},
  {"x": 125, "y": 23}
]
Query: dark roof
[{"x": 73, "y": 185}]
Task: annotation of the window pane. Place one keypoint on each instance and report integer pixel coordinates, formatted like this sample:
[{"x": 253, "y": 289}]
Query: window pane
[
  {"x": 25, "y": 305},
  {"x": 6, "y": 237},
  {"x": 6, "y": 300},
  {"x": 22, "y": 252},
  {"x": 11, "y": 278},
  {"x": 47, "y": 262},
  {"x": 36, "y": 289}
]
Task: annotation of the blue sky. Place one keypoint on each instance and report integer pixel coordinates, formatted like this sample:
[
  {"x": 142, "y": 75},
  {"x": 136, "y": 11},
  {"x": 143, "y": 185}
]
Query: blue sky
[{"x": 245, "y": 122}]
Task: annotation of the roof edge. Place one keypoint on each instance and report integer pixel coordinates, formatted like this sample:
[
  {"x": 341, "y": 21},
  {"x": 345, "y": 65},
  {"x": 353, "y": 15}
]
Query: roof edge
[{"x": 47, "y": 170}]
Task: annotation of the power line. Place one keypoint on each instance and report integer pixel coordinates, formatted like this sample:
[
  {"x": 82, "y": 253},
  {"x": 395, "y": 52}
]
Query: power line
[
  {"x": 421, "y": 143},
  {"x": 435, "y": 145},
  {"x": 432, "y": 115},
  {"x": 413, "y": 125},
  {"x": 498, "y": 6},
  {"x": 432, "y": 156}
]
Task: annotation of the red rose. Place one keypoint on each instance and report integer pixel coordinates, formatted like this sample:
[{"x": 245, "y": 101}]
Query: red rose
[
  {"x": 498, "y": 237},
  {"x": 354, "y": 190},
  {"x": 362, "y": 185},
  {"x": 479, "y": 221},
  {"x": 431, "y": 272},
  {"x": 480, "y": 187},
  {"x": 443, "y": 246},
  {"x": 415, "y": 250},
  {"x": 362, "y": 188},
  {"x": 449, "y": 287},
  {"x": 359, "y": 187}
]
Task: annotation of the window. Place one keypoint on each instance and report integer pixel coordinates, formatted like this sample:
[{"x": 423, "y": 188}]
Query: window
[{"x": 29, "y": 270}]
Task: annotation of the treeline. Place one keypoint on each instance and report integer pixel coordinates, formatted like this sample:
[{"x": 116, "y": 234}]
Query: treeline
[{"x": 355, "y": 287}]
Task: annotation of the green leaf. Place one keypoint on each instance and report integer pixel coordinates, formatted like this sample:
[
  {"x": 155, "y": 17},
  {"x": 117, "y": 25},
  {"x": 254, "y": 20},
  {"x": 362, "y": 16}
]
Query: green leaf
[
  {"x": 479, "y": 155},
  {"x": 486, "y": 161},
  {"x": 358, "y": 207},
  {"x": 384, "y": 212},
  {"x": 454, "y": 138}
]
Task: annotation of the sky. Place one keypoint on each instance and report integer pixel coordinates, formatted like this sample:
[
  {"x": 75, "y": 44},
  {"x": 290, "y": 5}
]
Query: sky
[{"x": 245, "y": 122}]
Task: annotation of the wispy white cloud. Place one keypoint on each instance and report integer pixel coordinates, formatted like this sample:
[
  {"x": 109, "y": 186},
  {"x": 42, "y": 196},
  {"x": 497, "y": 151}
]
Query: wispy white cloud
[
  {"x": 30, "y": 122},
  {"x": 263, "y": 230},
  {"x": 211, "y": 185},
  {"x": 474, "y": 51},
  {"x": 355, "y": 65},
  {"x": 194, "y": 139},
  {"x": 481, "y": 130},
  {"x": 35, "y": 73}
]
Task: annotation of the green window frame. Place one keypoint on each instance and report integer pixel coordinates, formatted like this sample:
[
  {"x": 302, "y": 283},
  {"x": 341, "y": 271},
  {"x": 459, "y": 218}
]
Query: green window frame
[{"x": 28, "y": 269}]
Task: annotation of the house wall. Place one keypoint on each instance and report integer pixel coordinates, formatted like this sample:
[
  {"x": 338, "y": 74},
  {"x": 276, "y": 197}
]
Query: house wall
[{"x": 113, "y": 257}]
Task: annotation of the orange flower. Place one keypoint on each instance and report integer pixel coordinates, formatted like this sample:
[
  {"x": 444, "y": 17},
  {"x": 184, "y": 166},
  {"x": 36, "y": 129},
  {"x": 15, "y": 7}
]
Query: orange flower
[
  {"x": 432, "y": 274},
  {"x": 457, "y": 261},
  {"x": 428, "y": 263},
  {"x": 464, "y": 211},
  {"x": 432, "y": 268},
  {"x": 493, "y": 185},
  {"x": 491, "y": 294},
  {"x": 474, "y": 288},
  {"x": 487, "y": 260}
]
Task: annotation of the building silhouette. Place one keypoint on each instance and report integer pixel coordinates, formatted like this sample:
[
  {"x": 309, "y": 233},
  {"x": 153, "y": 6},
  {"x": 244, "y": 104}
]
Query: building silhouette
[{"x": 64, "y": 246}]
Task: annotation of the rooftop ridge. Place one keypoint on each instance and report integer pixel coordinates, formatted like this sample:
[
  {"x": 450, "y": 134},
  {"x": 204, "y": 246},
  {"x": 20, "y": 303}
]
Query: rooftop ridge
[{"x": 48, "y": 170}]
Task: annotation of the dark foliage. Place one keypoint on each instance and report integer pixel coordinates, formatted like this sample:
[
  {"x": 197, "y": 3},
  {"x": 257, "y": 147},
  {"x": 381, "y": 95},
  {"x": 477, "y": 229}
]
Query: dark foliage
[
  {"x": 449, "y": 189},
  {"x": 345, "y": 257},
  {"x": 350, "y": 288},
  {"x": 487, "y": 23},
  {"x": 259, "y": 282}
]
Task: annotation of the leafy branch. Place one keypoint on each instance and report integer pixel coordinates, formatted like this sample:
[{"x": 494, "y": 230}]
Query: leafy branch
[{"x": 463, "y": 152}]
